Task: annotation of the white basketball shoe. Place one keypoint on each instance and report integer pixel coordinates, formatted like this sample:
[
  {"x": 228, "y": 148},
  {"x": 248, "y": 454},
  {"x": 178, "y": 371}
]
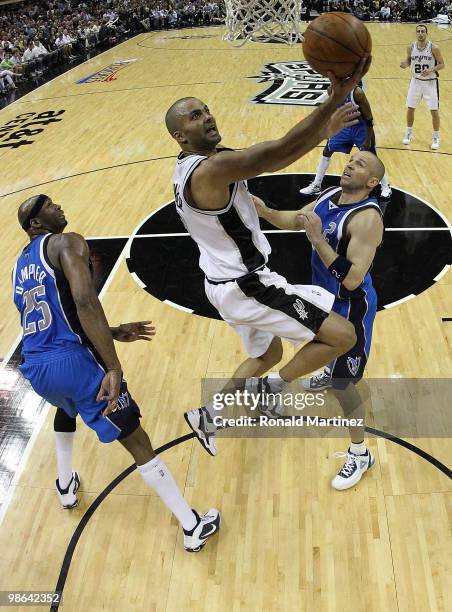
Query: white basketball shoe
[
  {"x": 67, "y": 496},
  {"x": 352, "y": 470},
  {"x": 208, "y": 525},
  {"x": 312, "y": 189}
]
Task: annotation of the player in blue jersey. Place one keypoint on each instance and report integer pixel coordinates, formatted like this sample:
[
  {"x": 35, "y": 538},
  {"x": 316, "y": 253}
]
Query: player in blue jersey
[
  {"x": 70, "y": 360},
  {"x": 345, "y": 228},
  {"x": 361, "y": 135}
]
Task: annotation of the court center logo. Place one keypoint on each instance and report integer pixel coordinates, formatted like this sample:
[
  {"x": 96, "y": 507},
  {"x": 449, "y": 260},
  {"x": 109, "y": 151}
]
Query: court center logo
[
  {"x": 107, "y": 74},
  {"x": 293, "y": 83},
  {"x": 416, "y": 251}
]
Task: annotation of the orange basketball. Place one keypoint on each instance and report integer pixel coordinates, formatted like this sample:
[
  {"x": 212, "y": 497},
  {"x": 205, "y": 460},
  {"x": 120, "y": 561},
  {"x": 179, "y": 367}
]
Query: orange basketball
[{"x": 336, "y": 42}]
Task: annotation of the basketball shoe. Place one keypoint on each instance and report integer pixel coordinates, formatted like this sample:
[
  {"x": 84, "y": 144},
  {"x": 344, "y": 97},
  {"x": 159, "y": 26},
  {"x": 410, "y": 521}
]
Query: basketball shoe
[
  {"x": 352, "y": 470},
  {"x": 407, "y": 138},
  {"x": 319, "y": 381},
  {"x": 67, "y": 496},
  {"x": 208, "y": 524},
  {"x": 435, "y": 144},
  {"x": 269, "y": 393},
  {"x": 312, "y": 189},
  {"x": 201, "y": 423},
  {"x": 386, "y": 191}
]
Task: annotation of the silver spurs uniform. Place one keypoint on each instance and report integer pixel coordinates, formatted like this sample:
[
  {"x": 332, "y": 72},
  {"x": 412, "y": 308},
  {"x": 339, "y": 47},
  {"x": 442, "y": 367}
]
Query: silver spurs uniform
[{"x": 258, "y": 303}]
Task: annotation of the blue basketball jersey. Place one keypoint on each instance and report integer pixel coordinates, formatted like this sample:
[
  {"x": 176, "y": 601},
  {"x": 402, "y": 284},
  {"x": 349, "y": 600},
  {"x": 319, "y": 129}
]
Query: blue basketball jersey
[
  {"x": 334, "y": 228},
  {"x": 47, "y": 310},
  {"x": 350, "y": 98}
]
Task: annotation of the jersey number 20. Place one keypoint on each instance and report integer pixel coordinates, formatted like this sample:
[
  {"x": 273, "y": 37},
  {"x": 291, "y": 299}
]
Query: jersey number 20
[
  {"x": 418, "y": 68},
  {"x": 32, "y": 303}
]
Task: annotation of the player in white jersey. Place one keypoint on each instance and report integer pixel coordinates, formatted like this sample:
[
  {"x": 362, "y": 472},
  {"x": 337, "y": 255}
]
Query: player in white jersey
[
  {"x": 217, "y": 209},
  {"x": 425, "y": 60}
]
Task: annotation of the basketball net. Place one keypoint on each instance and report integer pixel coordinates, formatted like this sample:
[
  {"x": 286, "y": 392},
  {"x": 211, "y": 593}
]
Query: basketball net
[{"x": 263, "y": 21}]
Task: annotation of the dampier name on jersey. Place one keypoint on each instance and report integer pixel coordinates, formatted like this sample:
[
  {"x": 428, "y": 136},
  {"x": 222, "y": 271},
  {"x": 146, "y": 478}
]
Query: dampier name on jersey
[{"x": 30, "y": 272}]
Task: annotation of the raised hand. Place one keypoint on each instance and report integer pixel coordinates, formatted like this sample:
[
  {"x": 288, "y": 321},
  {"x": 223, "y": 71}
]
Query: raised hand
[
  {"x": 345, "y": 116},
  {"x": 130, "y": 332},
  {"x": 342, "y": 87}
]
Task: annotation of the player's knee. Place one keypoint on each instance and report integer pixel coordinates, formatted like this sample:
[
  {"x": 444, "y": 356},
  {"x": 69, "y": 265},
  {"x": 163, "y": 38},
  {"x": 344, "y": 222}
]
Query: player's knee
[
  {"x": 347, "y": 336},
  {"x": 63, "y": 422},
  {"x": 273, "y": 354}
]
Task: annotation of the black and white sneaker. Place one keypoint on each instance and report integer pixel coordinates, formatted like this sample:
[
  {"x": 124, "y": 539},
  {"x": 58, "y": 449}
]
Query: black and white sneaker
[
  {"x": 208, "y": 525},
  {"x": 386, "y": 191},
  {"x": 67, "y": 496},
  {"x": 268, "y": 393},
  {"x": 201, "y": 423},
  {"x": 352, "y": 470},
  {"x": 319, "y": 381},
  {"x": 312, "y": 189}
]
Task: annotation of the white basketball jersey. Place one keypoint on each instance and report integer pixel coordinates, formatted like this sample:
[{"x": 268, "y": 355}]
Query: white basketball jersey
[
  {"x": 230, "y": 240},
  {"x": 422, "y": 60}
]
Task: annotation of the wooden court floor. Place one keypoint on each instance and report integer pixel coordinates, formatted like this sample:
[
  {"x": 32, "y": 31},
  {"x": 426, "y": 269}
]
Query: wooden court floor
[{"x": 288, "y": 541}]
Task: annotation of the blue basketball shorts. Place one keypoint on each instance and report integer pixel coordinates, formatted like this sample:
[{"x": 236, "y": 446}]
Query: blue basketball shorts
[
  {"x": 346, "y": 139},
  {"x": 349, "y": 368},
  {"x": 71, "y": 380}
]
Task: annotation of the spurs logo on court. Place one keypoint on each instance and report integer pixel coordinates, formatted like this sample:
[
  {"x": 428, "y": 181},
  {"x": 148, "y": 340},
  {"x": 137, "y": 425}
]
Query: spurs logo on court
[
  {"x": 294, "y": 83},
  {"x": 17, "y": 132},
  {"x": 108, "y": 73},
  {"x": 300, "y": 309},
  {"x": 353, "y": 364}
]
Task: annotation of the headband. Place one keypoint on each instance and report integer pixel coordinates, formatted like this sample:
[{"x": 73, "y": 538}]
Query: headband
[{"x": 41, "y": 200}]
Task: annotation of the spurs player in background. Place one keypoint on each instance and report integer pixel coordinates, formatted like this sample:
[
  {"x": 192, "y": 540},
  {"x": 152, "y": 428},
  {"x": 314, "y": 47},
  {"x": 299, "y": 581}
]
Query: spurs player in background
[
  {"x": 425, "y": 60},
  {"x": 214, "y": 203}
]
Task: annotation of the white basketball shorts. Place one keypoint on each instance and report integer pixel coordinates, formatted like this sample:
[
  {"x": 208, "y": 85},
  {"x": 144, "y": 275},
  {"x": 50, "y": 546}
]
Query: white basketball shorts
[
  {"x": 428, "y": 90},
  {"x": 262, "y": 305}
]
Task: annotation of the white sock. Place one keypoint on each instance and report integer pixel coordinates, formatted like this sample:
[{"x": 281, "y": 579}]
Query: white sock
[
  {"x": 436, "y": 135},
  {"x": 409, "y": 131},
  {"x": 358, "y": 449},
  {"x": 321, "y": 169},
  {"x": 157, "y": 475},
  {"x": 384, "y": 182},
  {"x": 64, "y": 441}
]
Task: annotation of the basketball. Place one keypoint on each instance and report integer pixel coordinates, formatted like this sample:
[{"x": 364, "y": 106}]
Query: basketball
[{"x": 336, "y": 42}]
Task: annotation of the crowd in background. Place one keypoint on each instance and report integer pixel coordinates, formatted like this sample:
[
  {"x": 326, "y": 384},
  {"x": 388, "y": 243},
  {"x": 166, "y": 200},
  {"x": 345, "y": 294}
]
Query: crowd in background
[
  {"x": 384, "y": 10},
  {"x": 34, "y": 36}
]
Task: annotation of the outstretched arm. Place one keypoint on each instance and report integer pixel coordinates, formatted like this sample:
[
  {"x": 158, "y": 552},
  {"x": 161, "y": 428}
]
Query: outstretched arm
[
  {"x": 211, "y": 179},
  {"x": 284, "y": 219}
]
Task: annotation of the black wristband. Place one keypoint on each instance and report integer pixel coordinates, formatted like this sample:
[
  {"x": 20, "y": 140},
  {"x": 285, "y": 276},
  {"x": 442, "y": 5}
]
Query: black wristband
[{"x": 340, "y": 268}]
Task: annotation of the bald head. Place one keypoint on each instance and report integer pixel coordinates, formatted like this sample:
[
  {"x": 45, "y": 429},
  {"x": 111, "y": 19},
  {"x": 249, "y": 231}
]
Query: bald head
[
  {"x": 191, "y": 124},
  {"x": 376, "y": 166},
  {"x": 175, "y": 113},
  {"x": 26, "y": 207},
  {"x": 362, "y": 173}
]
